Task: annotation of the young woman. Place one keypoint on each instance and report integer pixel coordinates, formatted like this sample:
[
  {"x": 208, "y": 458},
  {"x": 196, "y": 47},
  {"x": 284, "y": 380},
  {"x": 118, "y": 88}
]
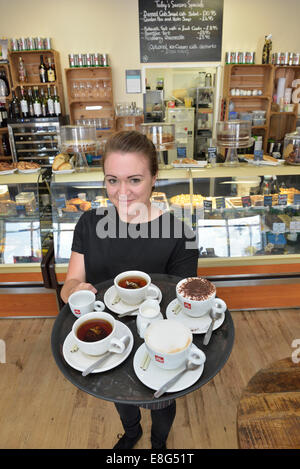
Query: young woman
[{"x": 139, "y": 237}]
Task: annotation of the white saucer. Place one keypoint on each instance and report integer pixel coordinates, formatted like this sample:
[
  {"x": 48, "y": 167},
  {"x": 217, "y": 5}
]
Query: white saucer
[
  {"x": 120, "y": 307},
  {"x": 7, "y": 171},
  {"x": 154, "y": 377},
  {"x": 196, "y": 325},
  {"x": 28, "y": 171},
  {"x": 80, "y": 361}
]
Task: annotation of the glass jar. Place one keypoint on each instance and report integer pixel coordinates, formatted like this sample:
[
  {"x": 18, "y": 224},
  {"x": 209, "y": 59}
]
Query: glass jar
[{"x": 291, "y": 149}]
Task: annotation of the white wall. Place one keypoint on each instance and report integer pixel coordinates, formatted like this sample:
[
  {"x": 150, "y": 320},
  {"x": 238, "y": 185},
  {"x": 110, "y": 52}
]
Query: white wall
[{"x": 111, "y": 26}]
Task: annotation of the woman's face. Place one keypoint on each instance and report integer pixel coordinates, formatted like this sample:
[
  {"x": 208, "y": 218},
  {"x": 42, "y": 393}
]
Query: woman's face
[{"x": 128, "y": 181}]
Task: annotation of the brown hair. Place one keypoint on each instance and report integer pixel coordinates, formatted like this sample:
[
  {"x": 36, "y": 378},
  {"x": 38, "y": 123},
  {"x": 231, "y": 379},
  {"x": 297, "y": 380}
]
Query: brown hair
[{"x": 132, "y": 142}]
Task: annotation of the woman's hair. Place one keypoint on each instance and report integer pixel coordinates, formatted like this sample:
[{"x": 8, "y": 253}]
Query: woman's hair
[{"x": 132, "y": 142}]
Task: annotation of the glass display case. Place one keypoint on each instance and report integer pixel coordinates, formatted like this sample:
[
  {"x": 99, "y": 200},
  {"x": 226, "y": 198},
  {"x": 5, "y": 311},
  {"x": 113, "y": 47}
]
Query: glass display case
[
  {"x": 20, "y": 227},
  {"x": 236, "y": 218}
]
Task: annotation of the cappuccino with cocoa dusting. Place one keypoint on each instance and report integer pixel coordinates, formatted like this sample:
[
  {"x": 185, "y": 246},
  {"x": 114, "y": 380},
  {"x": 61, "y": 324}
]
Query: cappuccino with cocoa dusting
[{"x": 197, "y": 289}]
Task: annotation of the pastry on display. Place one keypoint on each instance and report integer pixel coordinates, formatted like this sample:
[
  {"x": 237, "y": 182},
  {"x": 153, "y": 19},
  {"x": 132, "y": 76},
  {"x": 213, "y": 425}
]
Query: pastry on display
[
  {"x": 70, "y": 208},
  {"x": 85, "y": 206},
  {"x": 75, "y": 201},
  {"x": 186, "y": 199},
  {"x": 60, "y": 162},
  {"x": 24, "y": 165},
  {"x": 5, "y": 166}
]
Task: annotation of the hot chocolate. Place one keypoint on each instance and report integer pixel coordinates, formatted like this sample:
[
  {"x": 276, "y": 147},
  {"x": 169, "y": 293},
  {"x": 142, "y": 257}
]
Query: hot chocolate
[{"x": 197, "y": 289}]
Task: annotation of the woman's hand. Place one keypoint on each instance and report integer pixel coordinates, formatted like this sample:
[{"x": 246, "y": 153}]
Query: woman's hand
[{"x": 83, "y": 286}]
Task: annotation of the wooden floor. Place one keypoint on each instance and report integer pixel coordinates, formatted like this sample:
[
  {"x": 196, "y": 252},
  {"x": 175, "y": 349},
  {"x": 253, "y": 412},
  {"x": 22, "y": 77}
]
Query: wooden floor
[{"x": 39, "y": 408}]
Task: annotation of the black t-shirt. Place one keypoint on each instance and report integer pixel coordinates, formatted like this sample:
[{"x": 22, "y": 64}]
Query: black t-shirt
[{"x": 110, "y": 246}]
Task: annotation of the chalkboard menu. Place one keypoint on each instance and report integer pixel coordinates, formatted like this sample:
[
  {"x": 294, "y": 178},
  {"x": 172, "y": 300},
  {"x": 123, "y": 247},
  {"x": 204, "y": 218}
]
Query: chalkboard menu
[{"x": 180, "y": 31}]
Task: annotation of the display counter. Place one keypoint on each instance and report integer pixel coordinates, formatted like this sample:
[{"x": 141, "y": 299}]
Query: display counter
[
  {"x": 249, "y": 241},
  {"x": 22, "y": 284}
]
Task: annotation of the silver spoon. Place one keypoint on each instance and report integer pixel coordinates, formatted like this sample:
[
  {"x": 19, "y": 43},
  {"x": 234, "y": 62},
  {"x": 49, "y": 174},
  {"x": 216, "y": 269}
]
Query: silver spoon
[
  {"x": 188, "y": 366},
  {"x": 214, "y": 316},
  {"x": 87, "y": 371}
]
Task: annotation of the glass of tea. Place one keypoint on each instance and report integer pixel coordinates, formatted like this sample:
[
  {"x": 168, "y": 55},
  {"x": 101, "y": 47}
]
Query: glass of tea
[{"x": 94, "y": 334}]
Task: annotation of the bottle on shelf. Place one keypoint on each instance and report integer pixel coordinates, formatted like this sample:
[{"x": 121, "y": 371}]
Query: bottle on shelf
[
  {"x": 22, "y": 71},
  {"x": 266, "y": 185},
  {"x": 267, "y": 50},
  {"x": 37, "y": 103},
  {"x": 15, "y": 109},
  {"x": 42, "y": 71},
  {"x": 51, "y": 77},
  {"x": 4, "y": 78},
  {"x": 274, "y": 185},
  {"x": 24, "y": 103},
  {"x": 3, "y": 114},
  {"x": 30, "y": 102},
  {"x": 50, "y": 102},
  {"x": 57, "y": 109},
  {"x": 43, "y": 103}
]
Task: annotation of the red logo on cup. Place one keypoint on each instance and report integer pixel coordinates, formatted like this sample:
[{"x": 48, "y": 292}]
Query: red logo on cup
[
  {"x": 159, "y": 359},
  {"x": 187, "y": 305},
  {"x": 77, "y": 311}
]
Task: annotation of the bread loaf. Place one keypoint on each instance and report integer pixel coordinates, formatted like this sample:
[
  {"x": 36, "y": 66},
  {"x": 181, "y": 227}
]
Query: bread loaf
[
  {"x": 65, "y": 166},
  {"x": 59, "y": 160}
]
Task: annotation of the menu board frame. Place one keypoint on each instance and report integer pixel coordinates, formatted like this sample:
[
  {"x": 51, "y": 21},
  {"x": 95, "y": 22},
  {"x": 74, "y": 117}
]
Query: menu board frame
[{"x": 180, "y": 30}]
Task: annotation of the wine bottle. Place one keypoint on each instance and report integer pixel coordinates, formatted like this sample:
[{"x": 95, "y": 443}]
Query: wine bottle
[
  {"x": 3, "y": 114},
  {"x": 22, "y": 71},
  {"x": 50, "y": 103},
  {"x": 24, "y": 103},
  {"x": 43, "y": 103},
  {"x": 15, "y": 109},
  {"x": 30, "y": 102},
  {"x": 50, "y": 72},
  {"x": 37, "y": 103},
  {"x": 267, "y": 49},
  {"x": 57, "y": 109},
  {"x": 43, "y": 71}
]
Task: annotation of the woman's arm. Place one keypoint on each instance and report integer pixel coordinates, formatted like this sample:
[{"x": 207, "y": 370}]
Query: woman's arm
[{"x": 75, "y": 279}]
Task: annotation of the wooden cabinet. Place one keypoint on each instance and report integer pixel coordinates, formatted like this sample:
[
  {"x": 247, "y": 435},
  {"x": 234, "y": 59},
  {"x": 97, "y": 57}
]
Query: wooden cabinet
[
  {"x": 240, "y": 79},
  {"x": 90, "y": 96},
  {"x": 281, "y": 123},
  {"x": 264, "y": 79},
  {"x": 32, "y": 63}
]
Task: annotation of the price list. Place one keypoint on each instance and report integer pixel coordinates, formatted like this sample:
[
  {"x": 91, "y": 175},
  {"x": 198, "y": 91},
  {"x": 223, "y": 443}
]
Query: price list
[{"x": 180, "y": 31}]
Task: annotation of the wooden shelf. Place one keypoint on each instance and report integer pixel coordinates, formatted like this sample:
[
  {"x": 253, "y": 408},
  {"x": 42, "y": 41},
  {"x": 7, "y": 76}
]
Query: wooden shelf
[
  {"x": 36, "y": 83},
  {"x": 35, "y": 51},
  {"x": 78, "y": 105},
  {"x": 32, "y": 63}
]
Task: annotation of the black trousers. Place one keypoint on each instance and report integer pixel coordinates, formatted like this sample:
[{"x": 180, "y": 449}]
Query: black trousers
[{"x": 162, "y": 420}]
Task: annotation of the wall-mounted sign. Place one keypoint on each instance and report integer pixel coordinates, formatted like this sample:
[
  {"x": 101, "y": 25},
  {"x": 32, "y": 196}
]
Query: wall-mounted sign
[
  {"x": 133, "y": 81},
  {"x": 180, "y": 31}
]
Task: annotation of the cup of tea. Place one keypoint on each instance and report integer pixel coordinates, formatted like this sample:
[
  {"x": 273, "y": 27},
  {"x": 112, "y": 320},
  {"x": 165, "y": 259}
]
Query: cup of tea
[
  {"x": 94, "y": 334},
  {"x": 197, "y": 296},
  {"x": 149, "y": 311},
  {"x": 134, "y": 286},
  {"x": 170, "y": 343},
  {"x": 84, "y": 301}
]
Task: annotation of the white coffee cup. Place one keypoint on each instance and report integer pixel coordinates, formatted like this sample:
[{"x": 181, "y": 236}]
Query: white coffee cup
[
  {"x": 84, "y": 301},
  {"x": 109, "y": 343},
  {"x": 170, "y": 343},
  {"x": 149, "y": 311},
  {"x": 199, "y": 307},
  {"x": 135, "y": 296}
]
